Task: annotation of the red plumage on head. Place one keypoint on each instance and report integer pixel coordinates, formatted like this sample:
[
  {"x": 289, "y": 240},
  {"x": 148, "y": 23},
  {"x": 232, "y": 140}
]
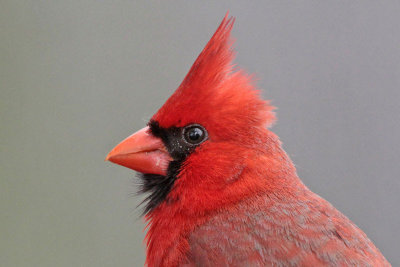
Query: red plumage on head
[{"x": 217, "y": 95}]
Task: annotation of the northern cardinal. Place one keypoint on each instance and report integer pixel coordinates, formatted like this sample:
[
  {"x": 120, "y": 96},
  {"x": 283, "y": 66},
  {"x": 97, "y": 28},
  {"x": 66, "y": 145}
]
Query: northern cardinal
[{"x": 221, "y": 190}]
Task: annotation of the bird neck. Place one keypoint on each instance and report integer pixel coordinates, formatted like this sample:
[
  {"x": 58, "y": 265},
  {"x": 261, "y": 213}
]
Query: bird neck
[{"x": 197, "y": 196}]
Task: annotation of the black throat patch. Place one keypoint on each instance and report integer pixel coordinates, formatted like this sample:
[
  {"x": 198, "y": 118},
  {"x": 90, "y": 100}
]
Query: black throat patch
[{"x": 159, "y": 186}]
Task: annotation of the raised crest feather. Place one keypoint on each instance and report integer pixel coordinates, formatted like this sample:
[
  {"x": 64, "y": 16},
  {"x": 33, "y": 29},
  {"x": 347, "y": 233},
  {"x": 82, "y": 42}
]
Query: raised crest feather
[
  {"x": 213, "y": 84},
  {"x": 214, "y": 62}
]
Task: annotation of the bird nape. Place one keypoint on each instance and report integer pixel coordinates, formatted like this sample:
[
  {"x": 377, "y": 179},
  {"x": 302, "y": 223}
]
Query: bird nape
[{"x": 221, "y": 190}]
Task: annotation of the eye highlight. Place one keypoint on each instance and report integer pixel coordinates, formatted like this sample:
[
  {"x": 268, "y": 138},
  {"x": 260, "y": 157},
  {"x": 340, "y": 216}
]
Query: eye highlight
[{"x": 194, "y": 134}]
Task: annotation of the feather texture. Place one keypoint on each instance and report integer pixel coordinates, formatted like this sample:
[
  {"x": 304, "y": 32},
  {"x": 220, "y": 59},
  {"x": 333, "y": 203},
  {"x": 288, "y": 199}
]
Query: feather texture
[
  {"x": 301, "y": 229},
  {"x": 236, "y": 199}
]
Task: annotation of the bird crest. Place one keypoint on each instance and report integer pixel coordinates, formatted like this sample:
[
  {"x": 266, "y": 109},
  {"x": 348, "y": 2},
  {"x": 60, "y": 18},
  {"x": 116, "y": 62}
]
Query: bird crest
[{"x": 215, "y": 85}]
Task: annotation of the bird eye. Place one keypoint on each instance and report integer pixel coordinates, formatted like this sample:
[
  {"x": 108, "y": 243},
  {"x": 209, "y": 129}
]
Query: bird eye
[{"x": 194, "y": 134}]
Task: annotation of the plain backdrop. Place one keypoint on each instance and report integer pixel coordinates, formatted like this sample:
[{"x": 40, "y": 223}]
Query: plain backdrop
[{"x": 77, "y": 77}]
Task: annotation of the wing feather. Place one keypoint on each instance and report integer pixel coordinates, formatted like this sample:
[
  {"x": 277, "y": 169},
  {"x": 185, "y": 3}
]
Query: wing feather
[{"x": 301, "y": 230}]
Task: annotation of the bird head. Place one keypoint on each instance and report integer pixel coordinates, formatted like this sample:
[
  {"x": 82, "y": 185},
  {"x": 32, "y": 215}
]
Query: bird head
[{"x": 198, "y": 149}]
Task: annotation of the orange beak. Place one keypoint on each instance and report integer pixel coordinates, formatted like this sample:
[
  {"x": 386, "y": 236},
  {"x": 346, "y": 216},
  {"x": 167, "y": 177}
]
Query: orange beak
[{"x": 141, "y": 152}]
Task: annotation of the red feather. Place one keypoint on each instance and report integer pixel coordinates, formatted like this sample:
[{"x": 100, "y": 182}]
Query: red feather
[{"x": 237, "y": 200}]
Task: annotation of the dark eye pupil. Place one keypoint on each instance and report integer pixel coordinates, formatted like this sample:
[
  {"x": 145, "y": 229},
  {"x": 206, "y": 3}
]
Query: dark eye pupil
[{"x": 195, "y": 134}]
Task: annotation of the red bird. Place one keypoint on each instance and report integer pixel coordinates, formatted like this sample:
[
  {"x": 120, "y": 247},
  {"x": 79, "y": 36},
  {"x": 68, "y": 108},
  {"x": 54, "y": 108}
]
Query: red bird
[{"x": 222, "y": 192}]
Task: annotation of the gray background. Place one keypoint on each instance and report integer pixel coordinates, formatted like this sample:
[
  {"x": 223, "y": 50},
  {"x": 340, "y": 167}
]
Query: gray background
[{"x": 77, "y": 77}]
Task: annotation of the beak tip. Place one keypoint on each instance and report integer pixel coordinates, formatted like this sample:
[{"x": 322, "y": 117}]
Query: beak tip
[{"x": 108, "y": 157}]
